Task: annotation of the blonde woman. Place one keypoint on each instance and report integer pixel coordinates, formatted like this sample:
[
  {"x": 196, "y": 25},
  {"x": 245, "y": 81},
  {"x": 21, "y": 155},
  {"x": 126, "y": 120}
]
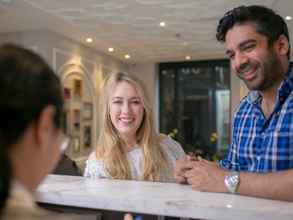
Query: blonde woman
[{"x": 128, "y": 145}]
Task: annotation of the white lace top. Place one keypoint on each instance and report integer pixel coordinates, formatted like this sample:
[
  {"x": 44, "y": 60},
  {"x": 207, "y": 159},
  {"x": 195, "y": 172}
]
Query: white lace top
[{"x": 95, "y": 168}]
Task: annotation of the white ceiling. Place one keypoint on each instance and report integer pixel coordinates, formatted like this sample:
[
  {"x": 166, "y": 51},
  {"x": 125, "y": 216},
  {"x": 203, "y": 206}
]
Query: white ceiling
[{"x": 132, "y": 26}]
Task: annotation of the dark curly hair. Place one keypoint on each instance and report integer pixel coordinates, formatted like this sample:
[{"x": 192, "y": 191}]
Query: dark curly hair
[{"x": 266, "y": 21}]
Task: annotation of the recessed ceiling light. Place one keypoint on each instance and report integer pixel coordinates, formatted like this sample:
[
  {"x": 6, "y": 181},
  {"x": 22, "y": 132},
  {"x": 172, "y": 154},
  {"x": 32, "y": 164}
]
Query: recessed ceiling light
[
  {"x": 89, "y": 40},
  {"x": 187, "y": 57},
  {"x": 162, "y": 24},
  {"x": 127, "y": 56},
  {"x": 288, "y": 18},
  {"x": 110, "y": 49}
]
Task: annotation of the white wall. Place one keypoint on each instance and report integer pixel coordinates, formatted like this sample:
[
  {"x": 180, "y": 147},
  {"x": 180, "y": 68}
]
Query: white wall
[
  {"x": 44, "y": 42},
  {"x": 67, "y": 57}
]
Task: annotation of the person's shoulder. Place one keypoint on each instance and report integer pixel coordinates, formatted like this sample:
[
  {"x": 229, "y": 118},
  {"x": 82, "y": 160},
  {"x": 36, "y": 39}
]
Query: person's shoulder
[
  {"x": 171, "y": 146},
  {"x": 92, "y": 156},
  {"x": 96, "y": 155},
  {"x": 95, "y": 166},
  {"x": 167, "y": 141},
  {"x": 163, "y": 137},
  {"x": 246, "y": 99},
  {"x": 244, "y": 105},
  {"x": 290, "y": 97},
  {"x": 93, "y": 163}
]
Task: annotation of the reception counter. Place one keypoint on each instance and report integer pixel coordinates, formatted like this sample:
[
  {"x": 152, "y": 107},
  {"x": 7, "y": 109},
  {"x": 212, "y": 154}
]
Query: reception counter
[{"x": 166, "y": 199}]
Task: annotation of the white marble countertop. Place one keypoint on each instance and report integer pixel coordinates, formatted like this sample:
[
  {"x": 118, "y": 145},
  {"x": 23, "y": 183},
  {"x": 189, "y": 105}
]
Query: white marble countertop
[{"x": 167, "y": 199}]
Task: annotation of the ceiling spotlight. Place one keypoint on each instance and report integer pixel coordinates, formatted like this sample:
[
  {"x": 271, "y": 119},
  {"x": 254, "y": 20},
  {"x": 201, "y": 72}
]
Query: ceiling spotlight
[
  {"x": 187, "y": 57},
  {"x": 127, "y": 56},
  {"x": 89, "y": 40},
  {"x": 288, "y": 18},
  {"x": 162, "y": 24},
  {"x": 110, "y": 49}
]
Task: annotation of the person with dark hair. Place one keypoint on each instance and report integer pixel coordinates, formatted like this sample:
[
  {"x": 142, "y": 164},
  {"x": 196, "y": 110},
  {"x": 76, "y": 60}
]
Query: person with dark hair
[
  {"x": 31, "y": 138},
  {"x": 260, "y": 158}
]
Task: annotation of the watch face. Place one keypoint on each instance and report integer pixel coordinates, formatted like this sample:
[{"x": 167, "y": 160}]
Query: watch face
[
  {"x": 232, "y": 181},
  {"x": 234, "y": 178}
]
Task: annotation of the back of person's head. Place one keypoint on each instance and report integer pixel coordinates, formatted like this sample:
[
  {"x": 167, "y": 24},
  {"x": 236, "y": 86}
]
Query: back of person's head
[
  {"x": 110, "y": 143},
  {"x": 27, "y": 86},
  {"x": 266, "y": 22}
]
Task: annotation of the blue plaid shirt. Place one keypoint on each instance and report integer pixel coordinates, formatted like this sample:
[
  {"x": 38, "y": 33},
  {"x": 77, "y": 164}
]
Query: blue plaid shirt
[{"x": 260, "y": 144}]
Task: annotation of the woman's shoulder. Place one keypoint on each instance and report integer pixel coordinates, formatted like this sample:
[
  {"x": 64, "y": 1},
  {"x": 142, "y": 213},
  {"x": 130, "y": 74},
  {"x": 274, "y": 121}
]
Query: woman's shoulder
[
  {"x": 96, "y": 155},
  {"x": 92, "y": 156},
  {"x": 162, "y": 137},
  {"x": 167, "y": 140},
  {"x": 94, "y": 159},
  {"x": 94, "y": 166},
  {"x": 170, "y": 145},
  {"x": 94, "y": 162}
]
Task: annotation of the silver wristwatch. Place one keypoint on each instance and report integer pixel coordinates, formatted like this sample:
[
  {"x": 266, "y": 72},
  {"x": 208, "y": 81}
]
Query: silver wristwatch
[{"x": 232, "y": 181}]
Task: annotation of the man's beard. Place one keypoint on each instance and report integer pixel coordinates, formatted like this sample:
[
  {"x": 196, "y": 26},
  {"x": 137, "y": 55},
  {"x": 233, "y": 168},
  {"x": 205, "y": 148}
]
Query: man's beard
[{"x": 268, "y": 72}]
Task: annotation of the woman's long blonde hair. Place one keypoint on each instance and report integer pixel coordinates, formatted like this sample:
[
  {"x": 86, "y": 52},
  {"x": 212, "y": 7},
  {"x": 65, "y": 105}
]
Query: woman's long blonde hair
[{"x": 111, "y": 148}]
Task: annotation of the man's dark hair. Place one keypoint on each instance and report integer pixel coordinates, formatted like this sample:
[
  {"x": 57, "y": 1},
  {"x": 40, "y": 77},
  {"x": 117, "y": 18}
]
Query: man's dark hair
[{"x": 266, "y": 21}]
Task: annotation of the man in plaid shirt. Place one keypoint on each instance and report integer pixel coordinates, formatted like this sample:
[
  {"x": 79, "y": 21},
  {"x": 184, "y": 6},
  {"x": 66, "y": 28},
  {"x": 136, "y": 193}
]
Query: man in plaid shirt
[{"x": 260, "y": 157}]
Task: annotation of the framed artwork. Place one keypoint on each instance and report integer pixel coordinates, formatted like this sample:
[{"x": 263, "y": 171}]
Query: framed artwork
[
  {"x": 67, "y": 93},
  {"x": 87, "y": 110},
  {"x": 77, "y": 88},
  {"x": 87, "y": 136}
]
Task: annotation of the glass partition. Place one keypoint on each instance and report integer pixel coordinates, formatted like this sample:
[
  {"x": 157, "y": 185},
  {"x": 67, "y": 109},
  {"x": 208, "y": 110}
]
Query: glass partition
[{"x": 195, "y": 105}]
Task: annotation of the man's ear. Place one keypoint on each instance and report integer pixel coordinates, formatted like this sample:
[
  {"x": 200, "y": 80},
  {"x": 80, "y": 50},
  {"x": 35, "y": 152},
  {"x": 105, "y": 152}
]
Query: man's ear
[
  {"x": 45, "y": 126},
  {"x": 282, "y": 45}
]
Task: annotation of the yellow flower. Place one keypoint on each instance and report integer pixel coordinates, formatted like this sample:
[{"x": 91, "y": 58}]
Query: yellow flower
[
  {"x": 214, "y": 137},
  {"x": 173, "y": 133}
]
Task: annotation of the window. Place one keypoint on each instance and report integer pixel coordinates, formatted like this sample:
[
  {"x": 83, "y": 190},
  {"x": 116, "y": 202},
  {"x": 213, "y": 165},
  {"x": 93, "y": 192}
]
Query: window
[{"x": 195, "y": 105}]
